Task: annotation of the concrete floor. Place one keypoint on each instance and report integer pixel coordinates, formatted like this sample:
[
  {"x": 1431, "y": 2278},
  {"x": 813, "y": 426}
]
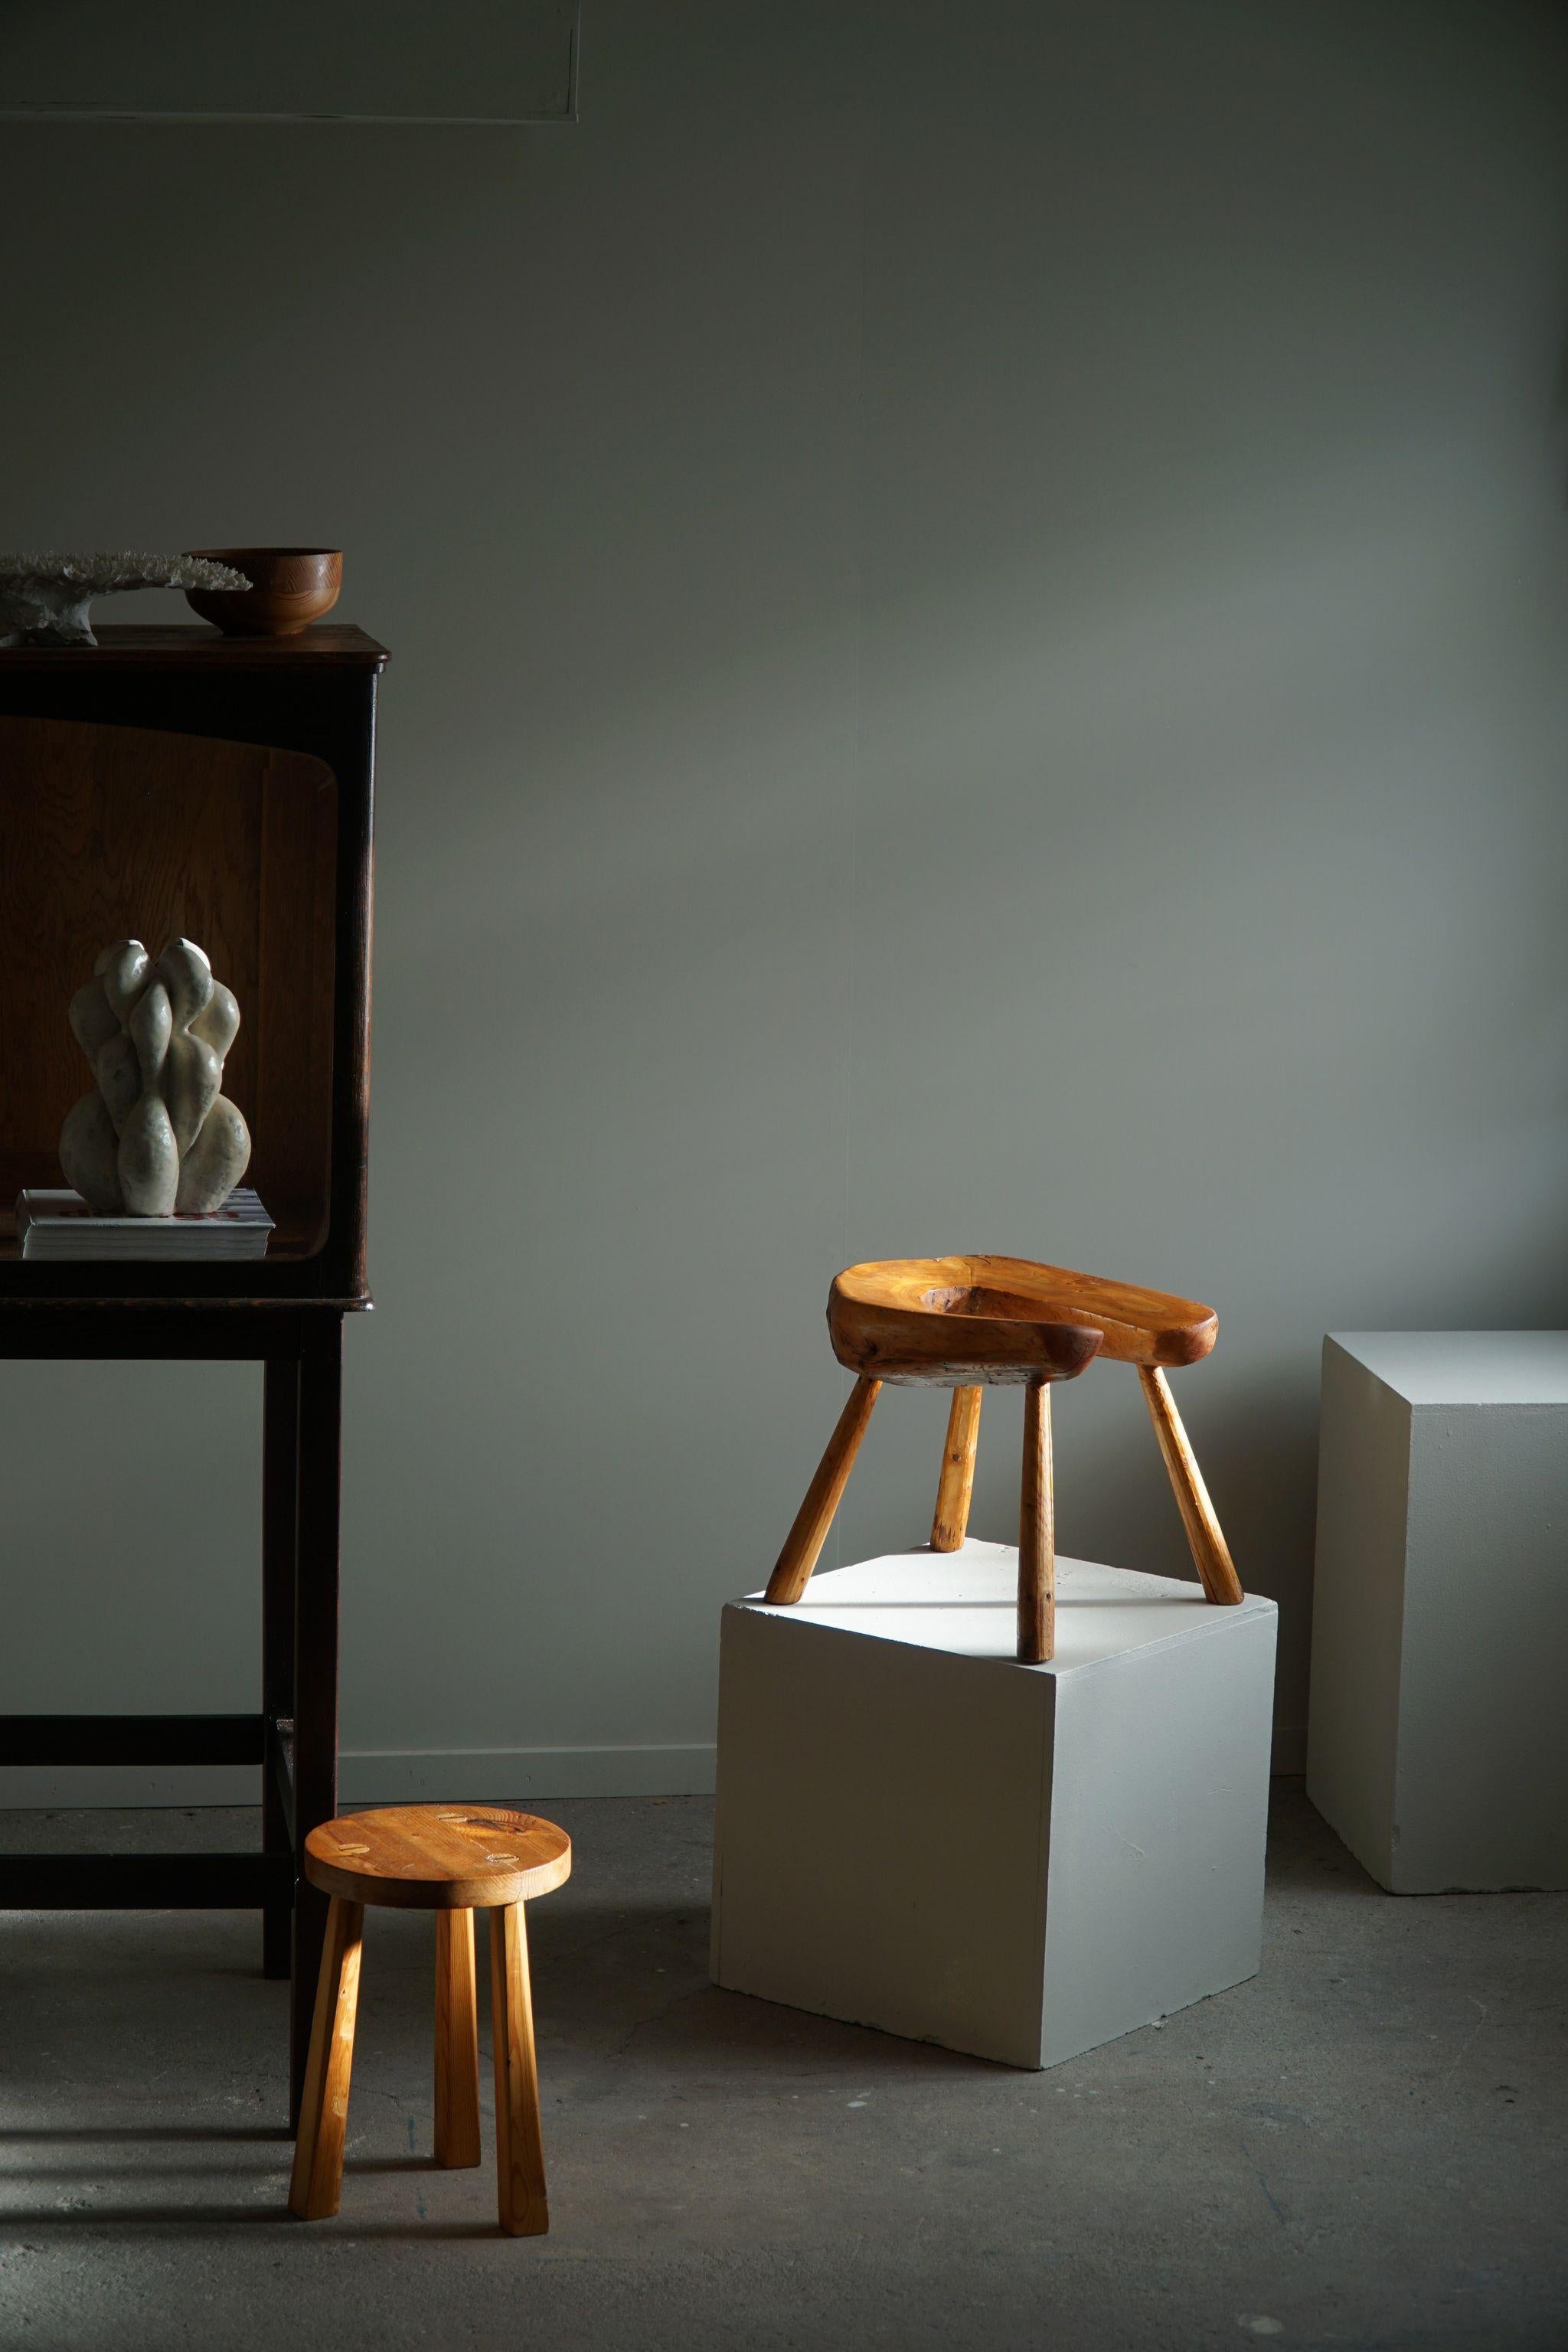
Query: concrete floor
[{"x": 1364, "y": 2147}]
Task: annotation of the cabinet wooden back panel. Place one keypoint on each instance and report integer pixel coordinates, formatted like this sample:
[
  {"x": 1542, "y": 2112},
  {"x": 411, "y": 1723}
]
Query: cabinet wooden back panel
[
  {"x": 124, "y": 833},
  {"x": 170, "y": 782}
]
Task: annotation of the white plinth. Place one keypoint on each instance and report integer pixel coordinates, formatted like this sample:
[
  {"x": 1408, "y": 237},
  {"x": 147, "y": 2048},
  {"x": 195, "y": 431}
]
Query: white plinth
[
  {"x": 1440, "y": 1607},
  {"x": 916, "y": 1833}
]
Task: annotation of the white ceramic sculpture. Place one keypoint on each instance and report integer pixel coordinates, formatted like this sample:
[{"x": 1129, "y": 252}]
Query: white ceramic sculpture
[
  {"x": 154, "y": 1136},
  {"x": 44, "y": 599}
]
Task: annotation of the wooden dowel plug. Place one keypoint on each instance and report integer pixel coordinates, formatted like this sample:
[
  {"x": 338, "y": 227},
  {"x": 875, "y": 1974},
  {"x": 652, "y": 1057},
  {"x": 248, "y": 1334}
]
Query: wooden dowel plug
[
  {"x": 803, "y": 1545},
  {"x": 956, "y": 1486},
  {"x": 1211, "y": 1554},
  {"x": 1036, "y": 1533}
]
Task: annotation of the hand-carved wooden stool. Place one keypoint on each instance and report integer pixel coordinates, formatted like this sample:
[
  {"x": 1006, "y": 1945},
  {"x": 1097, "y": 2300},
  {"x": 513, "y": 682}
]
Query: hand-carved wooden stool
[
  {"x": 452, "y": 1860},
  {"x": 969, "y": 1323}
]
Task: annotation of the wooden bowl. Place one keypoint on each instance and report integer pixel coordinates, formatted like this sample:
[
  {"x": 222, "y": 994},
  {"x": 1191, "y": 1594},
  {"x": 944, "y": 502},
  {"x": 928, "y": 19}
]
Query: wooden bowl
[{"x": 290, "y": 588}]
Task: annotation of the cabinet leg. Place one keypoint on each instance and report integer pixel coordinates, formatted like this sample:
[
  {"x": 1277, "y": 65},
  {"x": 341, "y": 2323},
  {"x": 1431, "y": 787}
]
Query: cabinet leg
[
  {"x": 951, "y": 1523},
  {"x": 1036, "y": 1533},
  {"x": 457, "y": 2041},
  {"x": 280, "y": 1509},
  {"x": 315, "y": 1649},
  {"x": 520, "y": 2145}
]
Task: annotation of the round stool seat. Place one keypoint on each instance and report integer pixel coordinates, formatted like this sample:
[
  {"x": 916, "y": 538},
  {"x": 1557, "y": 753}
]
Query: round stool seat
[{"x": 438, "y": 1857}]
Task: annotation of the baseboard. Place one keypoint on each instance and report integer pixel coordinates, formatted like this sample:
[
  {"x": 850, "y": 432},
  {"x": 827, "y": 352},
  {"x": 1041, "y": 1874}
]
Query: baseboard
[
  {"x": 411, "y": 1776},
  {"x": 382, "y": 1776},
  {"x": 420, "y": 1775}
]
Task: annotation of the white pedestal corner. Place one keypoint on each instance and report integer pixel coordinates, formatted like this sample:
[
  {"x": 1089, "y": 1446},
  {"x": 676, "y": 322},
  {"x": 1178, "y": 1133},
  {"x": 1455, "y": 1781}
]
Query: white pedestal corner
[
  {"x": 1440, "y": 1608},
  {"x": 917, "y": 1833}
]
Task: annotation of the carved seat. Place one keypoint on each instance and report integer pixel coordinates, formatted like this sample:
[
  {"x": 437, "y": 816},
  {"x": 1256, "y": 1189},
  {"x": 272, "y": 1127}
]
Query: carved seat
[{"x": 972, "y": 1323}]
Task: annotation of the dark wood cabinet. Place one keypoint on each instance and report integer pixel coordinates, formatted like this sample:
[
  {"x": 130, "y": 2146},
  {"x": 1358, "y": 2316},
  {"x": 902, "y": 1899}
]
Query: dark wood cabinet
[{"x": 173, "y": 780}]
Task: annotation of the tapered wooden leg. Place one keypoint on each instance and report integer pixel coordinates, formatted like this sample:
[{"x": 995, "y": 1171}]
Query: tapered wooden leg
[
  {"x": 803, "y": 1545},
  {"x": 957, "y": 1483},
  {"x": 457, "y": 2041},
  {"x": 520, "y": 2146},
  {"x": 1211, "y": 1554},
  {"x": 318, "y": 2176},
  {"x": 1036, "y": 1533}
]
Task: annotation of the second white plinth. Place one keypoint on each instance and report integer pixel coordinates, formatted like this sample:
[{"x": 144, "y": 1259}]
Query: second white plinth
[
  {"x": 1440, "y": 1608},
  {"x": 916, "y": 1833}
]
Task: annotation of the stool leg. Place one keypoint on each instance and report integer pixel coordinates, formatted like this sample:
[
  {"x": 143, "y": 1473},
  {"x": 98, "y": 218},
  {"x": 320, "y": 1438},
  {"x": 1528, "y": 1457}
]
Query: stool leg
[
  {"x": 457, "y": 2041},
  {"x": 803, "y": 1545},
  {"x": 519, "y": 2147},
  {"x": 1211, "y": 1554},
  {"x": 1036, "y": 1533},
  {"x": 318, "y": 2177},
  {"x": 957, "y": 1483}
]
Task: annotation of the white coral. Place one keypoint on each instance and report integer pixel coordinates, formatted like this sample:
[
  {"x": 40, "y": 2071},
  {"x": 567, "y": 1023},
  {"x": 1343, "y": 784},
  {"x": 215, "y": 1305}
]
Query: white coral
[
  {"x": 102, "y": 575},
  {"x": 44, "y": 598}
]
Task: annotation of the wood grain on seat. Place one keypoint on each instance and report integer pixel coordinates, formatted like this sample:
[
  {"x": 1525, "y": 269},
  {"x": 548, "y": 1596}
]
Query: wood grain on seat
[
  {"x": 438, "y": 1857},
  {"x": 943, "y": 1321}
]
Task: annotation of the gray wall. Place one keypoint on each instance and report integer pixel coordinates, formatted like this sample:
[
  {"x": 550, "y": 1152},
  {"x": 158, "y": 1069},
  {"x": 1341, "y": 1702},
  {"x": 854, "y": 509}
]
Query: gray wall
[{"x": 979, "y": 611}]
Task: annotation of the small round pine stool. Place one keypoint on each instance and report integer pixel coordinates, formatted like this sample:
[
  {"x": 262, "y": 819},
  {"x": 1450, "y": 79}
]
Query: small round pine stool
[{"x": 452, "y": 1860}]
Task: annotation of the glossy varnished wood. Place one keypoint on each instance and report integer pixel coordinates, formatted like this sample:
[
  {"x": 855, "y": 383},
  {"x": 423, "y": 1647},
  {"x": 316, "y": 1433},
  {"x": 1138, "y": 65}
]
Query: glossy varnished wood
[
  {"x": 1036, "y": 1533},
  {"x": 955, "y": 1487},
  {"x": 457, "y": 2042},
  {"x": 1003, "y": 1318},
  {"x": 803, "y": 1545},
  {"x": 316, "y": 2183},
  {"x": 1211, "y": 1553},
  {"x": 1136, "y": 1325},
  {"x": 430, "y": 1857},
  {"x": 949, "y": 1322},
  {"x": 519, "y": 2143}
]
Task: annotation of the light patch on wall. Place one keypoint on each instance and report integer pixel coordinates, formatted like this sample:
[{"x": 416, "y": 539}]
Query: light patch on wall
[{"x": 500, "y": 61}]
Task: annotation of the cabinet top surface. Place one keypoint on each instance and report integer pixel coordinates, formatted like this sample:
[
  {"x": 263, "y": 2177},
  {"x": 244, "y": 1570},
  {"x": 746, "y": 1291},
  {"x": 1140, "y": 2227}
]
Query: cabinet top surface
[
  {"x": 1464, "y": 1367},
  {"x": 329, "y": 644}
]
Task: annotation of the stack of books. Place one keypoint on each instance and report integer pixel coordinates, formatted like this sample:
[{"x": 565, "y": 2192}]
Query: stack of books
[{"x": 59, "y": 1225}]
